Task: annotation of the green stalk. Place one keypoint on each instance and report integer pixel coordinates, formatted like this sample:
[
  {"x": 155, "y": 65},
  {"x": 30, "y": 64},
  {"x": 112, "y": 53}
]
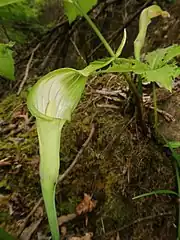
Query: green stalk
[
  {"x": 96, "y": 30},
  {"x": 155, "y": 107},
  {"x": 49, "y": 133}
]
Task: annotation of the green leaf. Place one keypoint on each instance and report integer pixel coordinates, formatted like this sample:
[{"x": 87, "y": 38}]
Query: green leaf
[
  {"x": 7, "y": 2},
  {"x": 162, "y": 56},
  {"x": 127, "y": 65},
  {"x": 155, "y": 193},
  {"x": 5, "y": 236},
  {"x": 173, "y": 144},
  {"x": 155, "y": 58},
  {"x": 159, "y": 70},
  {"x": 72, "y": 12},
  {"x": 172, "y": 52},
  {"x": 162, "y": 76},
  {"x": 6, "y": 62}
]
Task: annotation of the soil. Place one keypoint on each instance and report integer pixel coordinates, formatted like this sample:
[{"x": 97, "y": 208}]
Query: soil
[{"x": 118, "y": 164}]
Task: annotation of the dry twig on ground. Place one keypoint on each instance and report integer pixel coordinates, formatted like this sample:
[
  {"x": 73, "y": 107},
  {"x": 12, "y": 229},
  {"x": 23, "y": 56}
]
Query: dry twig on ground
[{"x": 27, "y": 69}]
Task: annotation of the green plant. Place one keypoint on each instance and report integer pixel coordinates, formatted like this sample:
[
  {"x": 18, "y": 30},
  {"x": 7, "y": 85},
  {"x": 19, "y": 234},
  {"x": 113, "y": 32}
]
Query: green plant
[
  {"x": 158, "y": 67},
  {"x": 54, "y": 97}
]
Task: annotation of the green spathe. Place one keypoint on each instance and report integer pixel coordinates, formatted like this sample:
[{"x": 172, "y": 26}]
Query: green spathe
[
  {"x": 145, "y": 19},
  {"x": 52, "y": 101}
]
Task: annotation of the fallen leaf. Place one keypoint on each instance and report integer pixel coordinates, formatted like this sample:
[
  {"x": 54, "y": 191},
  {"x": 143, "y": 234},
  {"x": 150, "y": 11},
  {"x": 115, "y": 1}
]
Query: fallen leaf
[{"x": 86, "y": 205}]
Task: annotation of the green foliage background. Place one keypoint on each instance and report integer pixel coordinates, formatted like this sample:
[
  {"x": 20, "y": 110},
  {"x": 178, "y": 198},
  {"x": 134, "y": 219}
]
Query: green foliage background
[{"x": 19, "y": 21}]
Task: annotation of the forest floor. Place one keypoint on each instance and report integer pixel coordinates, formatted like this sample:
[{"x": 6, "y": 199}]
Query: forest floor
[{"x": 116, "y": 164}]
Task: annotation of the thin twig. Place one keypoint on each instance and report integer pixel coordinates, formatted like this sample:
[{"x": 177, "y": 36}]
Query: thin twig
[
  {"x": 111, "y": 93},
  {"x": 61, "y": 177},
  {"x": 28, "y": 217},
  {"x": 78, "y": 51},
  {"x": 168, "y": 117},
  {"x": 51, "y": 51},
  {"x": 28, "y": 232},
  {"x": 111, "y": 106},
  {"x": 139, "y": 220},
  {"x": 27, "y": 69}
]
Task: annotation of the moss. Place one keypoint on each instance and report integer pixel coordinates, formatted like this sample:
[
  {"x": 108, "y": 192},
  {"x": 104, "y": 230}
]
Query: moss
[
  {"x": 10, "y": 104},
  {"x": 68, "y": 206}
]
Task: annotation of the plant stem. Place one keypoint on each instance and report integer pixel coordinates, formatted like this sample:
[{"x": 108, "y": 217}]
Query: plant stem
[
  {"x": 155, "y": 107},
  {"x": 96, "y": 30},
  {"x": 138, "y": 103}
]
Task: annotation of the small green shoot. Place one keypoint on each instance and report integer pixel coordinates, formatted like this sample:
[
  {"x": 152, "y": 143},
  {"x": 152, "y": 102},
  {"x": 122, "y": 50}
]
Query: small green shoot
[{"x": 169, "y": 192}]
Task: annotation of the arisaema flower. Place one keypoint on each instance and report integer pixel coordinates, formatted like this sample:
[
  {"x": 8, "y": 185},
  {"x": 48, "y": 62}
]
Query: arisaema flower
[{"x": 52, "y": 101}]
